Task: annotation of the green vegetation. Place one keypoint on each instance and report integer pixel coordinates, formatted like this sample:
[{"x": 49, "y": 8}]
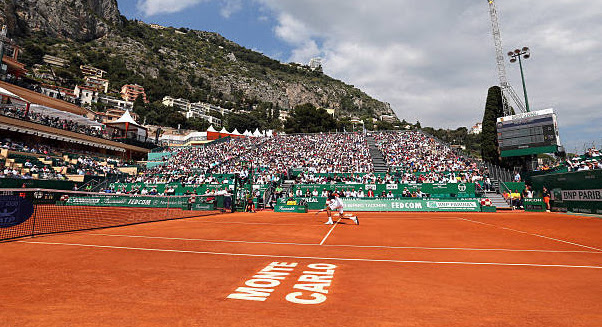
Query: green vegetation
[
  {"x": 494, "y": 108},
  {"x": 307, "y": 118},
  {"x": 198, "y": 66}
]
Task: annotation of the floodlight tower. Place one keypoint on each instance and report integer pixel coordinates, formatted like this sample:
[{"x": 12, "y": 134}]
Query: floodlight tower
[{"x": 507, "y": 90}]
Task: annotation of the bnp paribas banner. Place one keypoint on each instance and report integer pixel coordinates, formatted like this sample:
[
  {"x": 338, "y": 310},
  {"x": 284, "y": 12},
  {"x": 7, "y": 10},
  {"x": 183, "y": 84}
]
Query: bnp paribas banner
[{"x": 127, "y": 201}]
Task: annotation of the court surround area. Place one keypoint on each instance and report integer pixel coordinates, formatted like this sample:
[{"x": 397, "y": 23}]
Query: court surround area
[{"x": 280, "y": 269}]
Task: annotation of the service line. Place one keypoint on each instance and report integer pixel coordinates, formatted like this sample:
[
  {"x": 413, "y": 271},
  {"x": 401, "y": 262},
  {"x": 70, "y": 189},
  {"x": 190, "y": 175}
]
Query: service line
[
  {"x": 342, "y": 245},
  {"x": 316, "y": 258}
]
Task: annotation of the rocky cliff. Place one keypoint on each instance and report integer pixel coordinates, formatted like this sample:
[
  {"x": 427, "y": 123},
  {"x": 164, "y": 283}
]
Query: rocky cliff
[
  {"x": 80, "y": 20},
  {"x": 168, "y": 61}
]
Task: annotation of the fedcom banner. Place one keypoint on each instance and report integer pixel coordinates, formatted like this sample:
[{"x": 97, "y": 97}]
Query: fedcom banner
[
  {"x": 123, "y": 201},
  {"x": 411, "y": 205}
]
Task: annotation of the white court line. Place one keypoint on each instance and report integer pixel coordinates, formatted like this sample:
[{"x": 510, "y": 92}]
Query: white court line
[
  {"x": 317, "y": 258},
  {"x": 245, "y": 223},
  {"x": 340, "y": 245},
  {"x": 330, "y": 231},
  {"x": 533, "y": 234}
]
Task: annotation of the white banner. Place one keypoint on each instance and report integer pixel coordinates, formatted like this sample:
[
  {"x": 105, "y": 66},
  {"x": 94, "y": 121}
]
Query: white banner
[{"x": 582, "y": 195}]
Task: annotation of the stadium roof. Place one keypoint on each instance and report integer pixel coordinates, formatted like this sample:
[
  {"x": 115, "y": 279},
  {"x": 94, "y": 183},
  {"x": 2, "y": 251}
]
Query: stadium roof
[
  {"x": 38, "y": 98},
  {"x": 7, "y": 93},
  {"x": 36, "y": 108}
]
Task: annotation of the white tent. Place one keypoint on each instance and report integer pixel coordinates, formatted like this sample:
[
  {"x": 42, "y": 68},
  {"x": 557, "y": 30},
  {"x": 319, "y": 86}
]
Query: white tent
[
  {"x": 235, "y": 132},
  {"x": 247, "y": 133},
  {"x": 126, "y": 118},
  {"x": 270, "y": 133},
  {"x": 257, "y": 133},
  {"x": 211, "y": 129},
  {"x": 127, "y": 126},
  {"x": 224, "y": 131}
]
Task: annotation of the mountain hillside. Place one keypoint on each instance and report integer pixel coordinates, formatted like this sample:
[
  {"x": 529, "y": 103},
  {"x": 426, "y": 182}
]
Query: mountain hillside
[{"x": 196, "y": 65}]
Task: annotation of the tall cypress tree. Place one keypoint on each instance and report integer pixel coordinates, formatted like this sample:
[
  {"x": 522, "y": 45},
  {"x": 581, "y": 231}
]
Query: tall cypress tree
[{"x": 494, "y": 108}]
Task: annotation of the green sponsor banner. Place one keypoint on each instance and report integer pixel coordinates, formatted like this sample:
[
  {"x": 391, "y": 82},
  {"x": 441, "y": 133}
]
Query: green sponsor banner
[
  {"x": 410, "y": 205},
  {"x": 403, "y": 204},
  {"x": 534, "y": 204},
  {"x": 203, "y": 206},
  {"x": 579, "y": 191},
  {"x": 313, "y": 203},
  {"x": 126, "y": 201},
  {"x": 532, "y": 150},
  {"x": 290, "y": 208}
]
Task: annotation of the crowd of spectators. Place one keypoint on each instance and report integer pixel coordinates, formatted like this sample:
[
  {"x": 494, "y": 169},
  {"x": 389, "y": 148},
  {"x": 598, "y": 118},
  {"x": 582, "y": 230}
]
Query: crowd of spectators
[
  {"x": 8, "y": 144},
  {"x": 195, "y": 165},
  {"x": 416, "y": 152},
  {"x": 589, "y": 161},
  {"x": 314, "y": 153},
  {"x": 422, "y": 159},
  {"x": 52, "y": 121},
  {"x": 34, "y": 167}
]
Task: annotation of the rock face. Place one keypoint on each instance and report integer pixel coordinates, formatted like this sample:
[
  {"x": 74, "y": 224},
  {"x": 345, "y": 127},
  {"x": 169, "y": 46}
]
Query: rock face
[
  {"x": 90, "y": 30},
  {"x": 80, "y": 20}
]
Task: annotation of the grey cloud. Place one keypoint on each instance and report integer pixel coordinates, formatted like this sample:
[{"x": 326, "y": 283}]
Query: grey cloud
[{"x": 434, "y": 60}]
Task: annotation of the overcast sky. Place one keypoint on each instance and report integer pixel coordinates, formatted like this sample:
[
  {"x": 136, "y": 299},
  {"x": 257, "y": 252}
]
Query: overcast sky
[{"x": 432, "y": 60}]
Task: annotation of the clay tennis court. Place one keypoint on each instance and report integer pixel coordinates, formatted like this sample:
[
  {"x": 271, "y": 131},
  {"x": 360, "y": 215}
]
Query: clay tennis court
[{"x": 394, "y": 269}]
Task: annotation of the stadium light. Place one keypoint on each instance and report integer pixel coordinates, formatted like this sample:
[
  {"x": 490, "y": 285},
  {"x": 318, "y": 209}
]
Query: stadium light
[{"x": 525, "y": 53}]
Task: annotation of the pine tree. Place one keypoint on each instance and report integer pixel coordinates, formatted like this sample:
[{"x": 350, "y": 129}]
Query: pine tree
[{"x": 494, "y": 108}]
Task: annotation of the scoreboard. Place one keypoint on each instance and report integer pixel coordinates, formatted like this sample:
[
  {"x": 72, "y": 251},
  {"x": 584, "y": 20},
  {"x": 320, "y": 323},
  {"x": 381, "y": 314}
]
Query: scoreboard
[{"x": 528, "y": 133}]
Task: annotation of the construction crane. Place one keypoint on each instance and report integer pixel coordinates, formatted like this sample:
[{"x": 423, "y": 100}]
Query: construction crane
[{"x": 507, "y": 90}]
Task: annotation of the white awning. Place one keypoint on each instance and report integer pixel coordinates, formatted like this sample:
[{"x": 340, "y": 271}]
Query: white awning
[{"x": 51, "y": 112}]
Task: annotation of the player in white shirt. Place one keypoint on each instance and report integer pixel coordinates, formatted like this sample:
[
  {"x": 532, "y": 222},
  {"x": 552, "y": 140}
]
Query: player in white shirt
[{"x": 334, "y": 203}]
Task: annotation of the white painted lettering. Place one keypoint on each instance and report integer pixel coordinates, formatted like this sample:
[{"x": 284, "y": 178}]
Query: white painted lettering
[
  {"x": 315, "y": 278},
  {"x": 319, "y": 287},
  {"x": 271, "y": 275},
  {"x": 262, "y": 282},
  {"x": 316, "y": 298},
  {"x": 251, "y": 294},
  {"x": 321, "y": 266}
]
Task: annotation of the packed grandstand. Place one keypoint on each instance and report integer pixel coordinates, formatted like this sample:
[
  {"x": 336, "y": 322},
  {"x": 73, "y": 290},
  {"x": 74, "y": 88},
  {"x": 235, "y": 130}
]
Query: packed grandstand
[{"x": 37, "y": 147}]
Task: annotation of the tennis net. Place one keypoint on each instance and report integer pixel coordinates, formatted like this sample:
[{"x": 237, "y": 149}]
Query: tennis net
[{"x": 30, "y": 212}]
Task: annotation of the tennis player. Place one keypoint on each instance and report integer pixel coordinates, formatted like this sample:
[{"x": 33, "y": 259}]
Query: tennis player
[{"x": 334, "y": 203}]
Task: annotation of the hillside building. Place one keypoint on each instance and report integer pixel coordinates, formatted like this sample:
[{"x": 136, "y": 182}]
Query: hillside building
[
  {"x": 130, "y": 92},
  {"x": 99, "y": 84},
  {"x": 86, "y": 95},
  {"x": 476, "y": 129},
  {"x": 10, "y": 54},
  {"x": 92, "y": 71},
  {"x": 195, "y": 110},
  {"x": 116, "y": 103},
  {"x": 55, "y": 61},
  {"x": 315, "y": 63}
]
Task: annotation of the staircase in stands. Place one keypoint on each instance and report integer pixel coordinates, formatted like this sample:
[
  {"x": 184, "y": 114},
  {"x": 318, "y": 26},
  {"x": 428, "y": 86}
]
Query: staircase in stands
[{"x": 380, "y": 166}]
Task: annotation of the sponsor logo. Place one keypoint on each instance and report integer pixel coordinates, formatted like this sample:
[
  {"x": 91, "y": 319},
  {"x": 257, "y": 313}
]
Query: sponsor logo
[
  {"x": 461, "y": 187},
  {"x": 392, "y": 186},
  {"x": 14, "y": 210},
  {"x": 370, "y": 187},
  {"x": 582, "y": 195}
]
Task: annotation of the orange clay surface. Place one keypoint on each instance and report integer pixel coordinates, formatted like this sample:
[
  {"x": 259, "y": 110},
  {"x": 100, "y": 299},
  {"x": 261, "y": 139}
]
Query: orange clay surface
[{"x": 394, "y": 269}]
